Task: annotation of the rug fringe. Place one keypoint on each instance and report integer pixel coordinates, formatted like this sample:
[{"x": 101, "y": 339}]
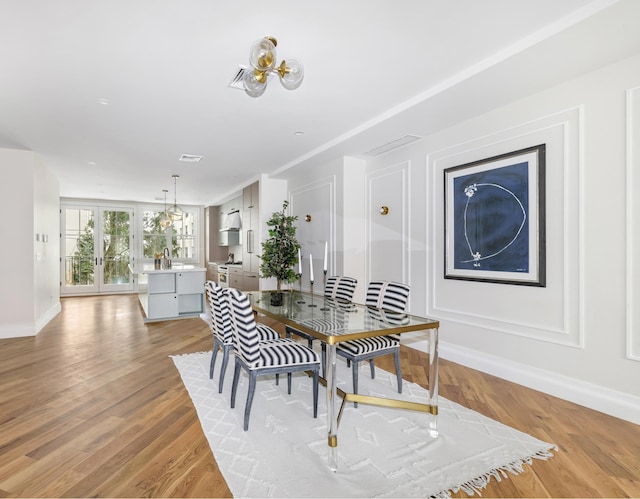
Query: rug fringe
[{"x": 480, "y": 483}]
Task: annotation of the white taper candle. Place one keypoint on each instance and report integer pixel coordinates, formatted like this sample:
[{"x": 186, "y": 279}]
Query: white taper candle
[{"x": 326, "y": 247}]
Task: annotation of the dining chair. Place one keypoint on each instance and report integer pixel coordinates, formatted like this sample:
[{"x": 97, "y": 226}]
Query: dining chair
[
  {"x": 268, "y": 357},
  {"x": 337, "y": 288},
  {"x": 389, "y": 296},
  {"x": 222, "y": 330}
]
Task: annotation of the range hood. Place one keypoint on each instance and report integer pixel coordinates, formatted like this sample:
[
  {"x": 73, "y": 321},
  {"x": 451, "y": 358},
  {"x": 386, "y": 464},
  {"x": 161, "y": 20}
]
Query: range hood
[{"x": 232, "y": 221}]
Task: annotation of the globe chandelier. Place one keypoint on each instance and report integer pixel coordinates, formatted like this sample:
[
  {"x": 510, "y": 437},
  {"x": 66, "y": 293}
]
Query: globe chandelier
[
  {"x": 164, "y": 220},
  {"x": 175, "y": 212},
  {"x": 263, "y": 60}
]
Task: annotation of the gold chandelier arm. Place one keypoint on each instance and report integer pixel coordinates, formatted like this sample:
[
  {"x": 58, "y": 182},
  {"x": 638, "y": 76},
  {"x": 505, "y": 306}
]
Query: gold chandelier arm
[
  {"x": 261, "y": 76},
  {"x": 282, "y": 69}
]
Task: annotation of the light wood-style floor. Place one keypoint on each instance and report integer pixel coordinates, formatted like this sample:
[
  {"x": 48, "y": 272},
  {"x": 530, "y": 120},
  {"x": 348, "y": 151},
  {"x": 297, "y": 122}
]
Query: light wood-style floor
[{"x": 93, "y": 406}]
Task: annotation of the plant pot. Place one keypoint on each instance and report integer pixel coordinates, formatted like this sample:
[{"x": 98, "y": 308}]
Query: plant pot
[{"x": 276, "y": 298}]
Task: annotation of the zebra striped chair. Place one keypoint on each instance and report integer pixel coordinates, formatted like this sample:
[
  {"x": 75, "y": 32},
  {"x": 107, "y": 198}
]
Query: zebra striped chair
[
  {"x": 220, "y": 325},
  {"x": 270, "y": 357},
  {"x": 391, "y": 297},
  {"x": 337, "y": 288}
]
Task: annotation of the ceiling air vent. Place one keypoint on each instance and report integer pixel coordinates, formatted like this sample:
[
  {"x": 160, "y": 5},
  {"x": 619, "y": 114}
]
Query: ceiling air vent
[
  {"x": 394, "y": 144},
  {"x": 236, "y": 81},
  {"x": 190, "y": 158}
]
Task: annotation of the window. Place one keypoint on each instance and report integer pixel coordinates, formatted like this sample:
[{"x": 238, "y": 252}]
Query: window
[{"x": 180, "y": 237}]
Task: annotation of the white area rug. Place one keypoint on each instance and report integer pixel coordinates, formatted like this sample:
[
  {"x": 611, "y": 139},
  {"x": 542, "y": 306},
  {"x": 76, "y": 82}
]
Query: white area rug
[{"x": 382, "y": 452}]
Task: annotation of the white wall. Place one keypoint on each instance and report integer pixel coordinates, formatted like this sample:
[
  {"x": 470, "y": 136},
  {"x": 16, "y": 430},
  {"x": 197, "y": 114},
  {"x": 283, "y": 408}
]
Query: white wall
[
  {"x": 334, "y": 197},
  {"x": 30, "y": 290},
  {"x": 46, "y": 223},
  {"x": 571, "y": 338},
  {"x": 568, "y": 338}
]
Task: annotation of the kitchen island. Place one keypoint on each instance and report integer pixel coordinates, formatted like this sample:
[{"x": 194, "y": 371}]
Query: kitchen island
[{"x": 171, "y": 293}]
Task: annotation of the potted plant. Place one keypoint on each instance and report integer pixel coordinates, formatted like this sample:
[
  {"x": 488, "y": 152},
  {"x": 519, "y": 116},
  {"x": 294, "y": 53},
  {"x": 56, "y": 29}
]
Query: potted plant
[{"x": 280, "y": 251}]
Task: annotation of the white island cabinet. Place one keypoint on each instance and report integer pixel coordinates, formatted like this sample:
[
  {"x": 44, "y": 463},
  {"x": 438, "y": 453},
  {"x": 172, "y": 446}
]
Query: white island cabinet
[{"x": 171, "y": 293}]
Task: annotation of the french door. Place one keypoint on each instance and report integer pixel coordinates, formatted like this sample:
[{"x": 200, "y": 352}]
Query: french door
[{"x": 96, "y": 249}]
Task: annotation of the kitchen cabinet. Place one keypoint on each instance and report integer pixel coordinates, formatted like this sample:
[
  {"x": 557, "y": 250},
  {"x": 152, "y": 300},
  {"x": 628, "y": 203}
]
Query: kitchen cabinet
[
  {"x": 207, "y": 232},
  {"x": 172, "y": 293},
  {"x": 216, "y": 252},
  {"x": 162, "y": 306},
  {"x": 223, "y": 238},
  {"x": 162, "y": 300},
  {"x": 189, "y": 283},
  {"x": 229, "y": 237},
  {"x": 251, "y": 228},
  {"x": 244, "y": 281},
  {"x": 250, "y": 281},
  {"x": 251, "y": 231},
  {"x": 236, "y": 277},
  {"x": 212, "y": 272}
]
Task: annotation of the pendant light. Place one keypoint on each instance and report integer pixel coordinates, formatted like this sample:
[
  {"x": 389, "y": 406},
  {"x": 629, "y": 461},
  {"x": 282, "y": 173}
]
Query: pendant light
[
  {"x": 175, "y": 212},
  {"x": 262, "y": 58},
  {"x": 164, "y": 221}
]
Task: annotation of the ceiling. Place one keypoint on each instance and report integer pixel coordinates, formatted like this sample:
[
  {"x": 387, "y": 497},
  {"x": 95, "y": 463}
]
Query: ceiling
[{"x": 375, "y": 71}]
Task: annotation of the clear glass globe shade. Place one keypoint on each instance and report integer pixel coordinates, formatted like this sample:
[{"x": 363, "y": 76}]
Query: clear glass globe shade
[
  {"x": 251, "y": 85},
  {"x": 175, "y": 213},
  {"x": 164, "y": 221},
  {"x": 294, "y": 74},
  {"x": 262, "y": 55}
]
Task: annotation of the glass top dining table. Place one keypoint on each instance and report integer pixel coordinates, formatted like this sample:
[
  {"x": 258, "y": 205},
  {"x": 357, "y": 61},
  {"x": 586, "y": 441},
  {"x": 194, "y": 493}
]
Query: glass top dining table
[{"x": 333, "y": 322}]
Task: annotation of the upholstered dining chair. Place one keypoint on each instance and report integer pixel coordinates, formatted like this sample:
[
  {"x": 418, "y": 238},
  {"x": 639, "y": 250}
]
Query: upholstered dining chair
[
  {"x": 390, "y": 296},
  {"x": 220, "y": 325},
  {"x": 336, "y": 288},
  {"x": 269, "y": 357}
]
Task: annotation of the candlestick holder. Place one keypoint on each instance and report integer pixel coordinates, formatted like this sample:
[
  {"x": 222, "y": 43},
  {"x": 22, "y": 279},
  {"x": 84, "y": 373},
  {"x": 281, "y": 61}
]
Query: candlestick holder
[
  {"x": 324, "y": 283},
  {"x": 312, "y": 304},
  {"x": 301, "y": 300}
]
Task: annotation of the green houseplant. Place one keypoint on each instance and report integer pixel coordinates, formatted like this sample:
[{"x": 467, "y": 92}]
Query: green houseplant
[{"x": 280, "y": 250}]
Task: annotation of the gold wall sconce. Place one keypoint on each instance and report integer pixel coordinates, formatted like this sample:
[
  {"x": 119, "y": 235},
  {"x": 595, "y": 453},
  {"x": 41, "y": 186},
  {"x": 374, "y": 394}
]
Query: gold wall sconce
[
  {"x": 384, "y": 210},
  {"x": 307, "y": 218}
]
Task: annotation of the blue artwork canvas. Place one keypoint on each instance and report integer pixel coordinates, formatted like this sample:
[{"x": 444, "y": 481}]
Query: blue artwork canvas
[
  {"x": 494, "y": 219},
  {"x": 491, "y": 220}
]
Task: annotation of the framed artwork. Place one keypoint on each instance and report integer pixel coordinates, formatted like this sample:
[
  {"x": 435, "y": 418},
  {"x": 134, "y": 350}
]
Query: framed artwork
[{"x": 495, "y": 219}]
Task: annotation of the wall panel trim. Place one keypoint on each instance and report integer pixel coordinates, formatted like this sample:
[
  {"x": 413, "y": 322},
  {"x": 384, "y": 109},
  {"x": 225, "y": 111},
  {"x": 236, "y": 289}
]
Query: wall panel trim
[
  {"x": 564, "y": 130},
  {"x": 633, "y": 224},
  {"x": 403, "y": 169}
]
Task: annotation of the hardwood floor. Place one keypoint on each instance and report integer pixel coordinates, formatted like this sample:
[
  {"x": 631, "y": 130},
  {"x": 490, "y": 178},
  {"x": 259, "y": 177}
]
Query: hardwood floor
[{"x": 93, "y": 406}]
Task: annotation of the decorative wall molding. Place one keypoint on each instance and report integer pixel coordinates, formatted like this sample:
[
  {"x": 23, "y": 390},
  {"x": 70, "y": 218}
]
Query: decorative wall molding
[
  {"x": 389, "y": 187},
  {"x": 318, "y": 197},
  {"x": 512, "y": 309},
  {"x": 633, "y": 224}
]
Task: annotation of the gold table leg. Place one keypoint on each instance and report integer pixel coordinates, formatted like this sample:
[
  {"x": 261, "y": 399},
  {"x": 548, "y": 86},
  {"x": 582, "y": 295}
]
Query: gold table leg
[{"x": 332, "y": 414}]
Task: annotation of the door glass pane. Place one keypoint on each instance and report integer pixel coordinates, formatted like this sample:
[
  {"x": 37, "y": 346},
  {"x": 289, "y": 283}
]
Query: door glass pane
[
  {"x": 79, "y": 254},
  {"x": 115, "y": 246}
]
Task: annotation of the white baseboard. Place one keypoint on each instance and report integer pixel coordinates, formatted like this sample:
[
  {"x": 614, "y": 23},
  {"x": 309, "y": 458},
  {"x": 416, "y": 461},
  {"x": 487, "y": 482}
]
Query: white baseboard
[
  {"x": 46, "y": 318},
  {"x": 618, "y": 404},
  {"x": 29, "y": 329},
  {"x": 17, "y": 331}
]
